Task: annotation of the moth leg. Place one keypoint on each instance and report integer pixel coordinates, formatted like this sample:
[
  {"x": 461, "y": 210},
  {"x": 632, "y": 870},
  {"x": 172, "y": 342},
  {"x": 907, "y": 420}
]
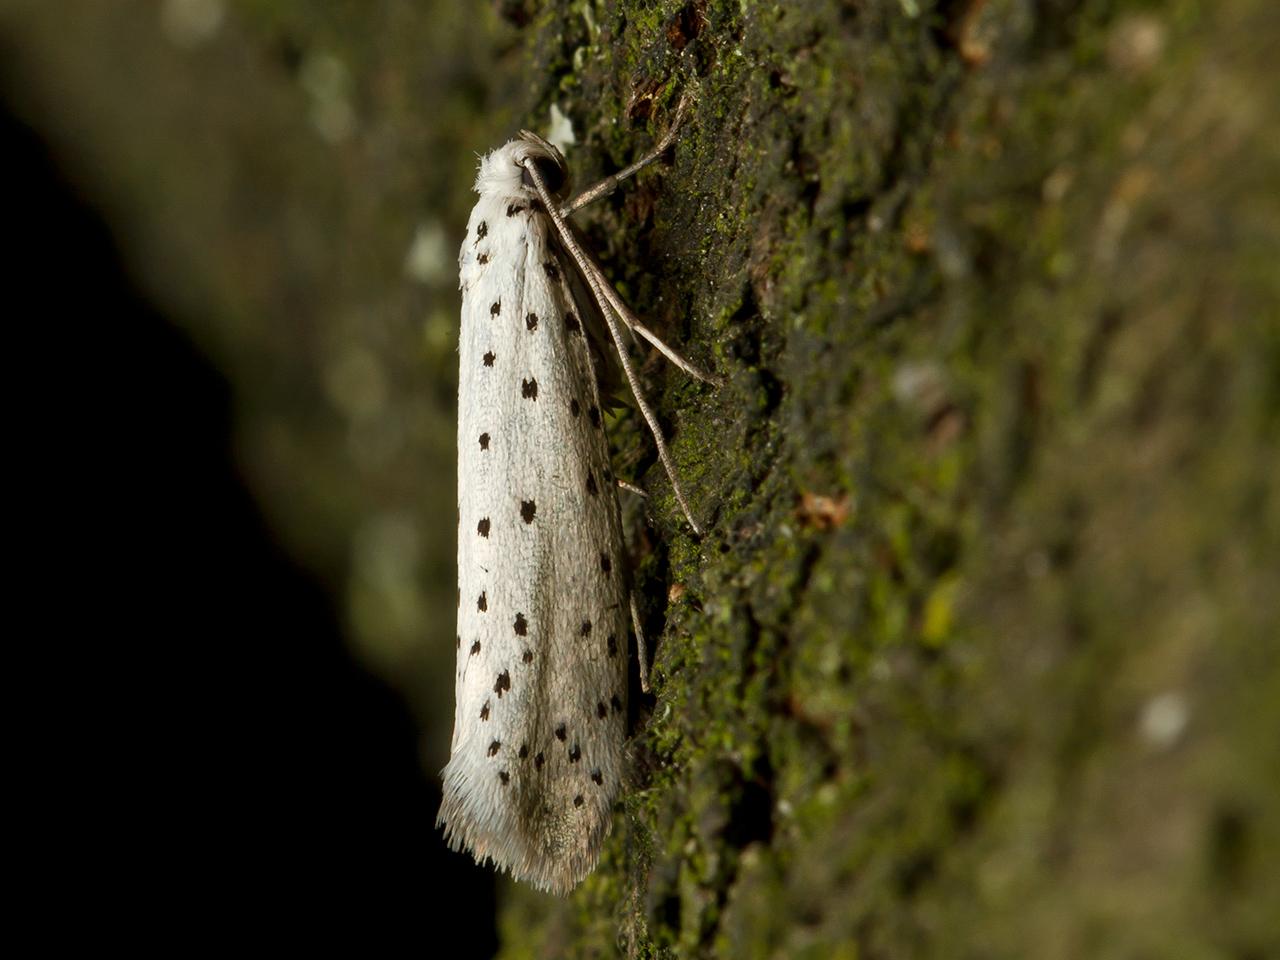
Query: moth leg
[
  {"x": 606, "y": 186},
  {"x": 632, "y": 321},
  {"x": 593, "y": 280},
  {"x": 603, "y": 188},
  {"x": 580, "y": 258},
  {"x": 642, "y": 648},
  {"x": 632, "y": 488}
]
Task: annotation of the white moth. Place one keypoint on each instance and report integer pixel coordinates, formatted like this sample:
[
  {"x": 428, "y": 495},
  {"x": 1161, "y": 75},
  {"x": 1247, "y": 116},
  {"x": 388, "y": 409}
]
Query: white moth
[{"x": 543, "y": 597}]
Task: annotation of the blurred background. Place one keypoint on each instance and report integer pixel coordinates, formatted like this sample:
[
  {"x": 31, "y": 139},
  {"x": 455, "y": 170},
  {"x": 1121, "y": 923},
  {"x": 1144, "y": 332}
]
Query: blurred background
[{"x": 242, "y": 269}]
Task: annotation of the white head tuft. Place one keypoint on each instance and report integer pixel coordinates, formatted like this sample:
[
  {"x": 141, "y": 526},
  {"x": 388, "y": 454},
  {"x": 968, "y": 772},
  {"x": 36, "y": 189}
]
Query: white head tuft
[{"x": 502, "y": 171}]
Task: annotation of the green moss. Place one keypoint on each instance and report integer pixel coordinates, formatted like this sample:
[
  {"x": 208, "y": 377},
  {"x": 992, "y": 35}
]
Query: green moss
[
  {"x": 896, "y": 260},
  {"x": 973, "y": 657}
]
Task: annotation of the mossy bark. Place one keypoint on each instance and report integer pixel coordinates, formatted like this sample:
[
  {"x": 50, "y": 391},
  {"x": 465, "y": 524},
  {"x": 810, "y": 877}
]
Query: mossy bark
[{"x": 978, "y": 657}]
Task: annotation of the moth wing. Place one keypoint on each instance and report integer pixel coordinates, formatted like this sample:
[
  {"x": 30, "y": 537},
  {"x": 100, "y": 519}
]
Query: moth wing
[{"x": 540, "y": 713}]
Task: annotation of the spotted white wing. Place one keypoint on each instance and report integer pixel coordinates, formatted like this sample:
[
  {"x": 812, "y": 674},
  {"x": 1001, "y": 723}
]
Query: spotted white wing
[{"x": 540, "y": 713}]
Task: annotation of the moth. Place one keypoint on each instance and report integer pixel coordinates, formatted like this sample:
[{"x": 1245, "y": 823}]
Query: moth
[{"x": 544, "y": 601}]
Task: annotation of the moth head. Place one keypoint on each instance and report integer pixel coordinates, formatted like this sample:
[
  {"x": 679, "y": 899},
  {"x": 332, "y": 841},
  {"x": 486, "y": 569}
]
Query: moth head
[
  {"x": 533, "y": 151},
  {"x": 505, "y": 171}
]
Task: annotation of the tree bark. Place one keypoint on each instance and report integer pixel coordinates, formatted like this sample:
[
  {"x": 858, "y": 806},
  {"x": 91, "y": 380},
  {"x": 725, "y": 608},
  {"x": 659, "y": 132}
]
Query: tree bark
[{"x": 978, "y": 656}]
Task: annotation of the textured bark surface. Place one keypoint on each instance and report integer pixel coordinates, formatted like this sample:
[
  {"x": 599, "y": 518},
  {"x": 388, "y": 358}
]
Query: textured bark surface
[{"x": 978, "y": 657}]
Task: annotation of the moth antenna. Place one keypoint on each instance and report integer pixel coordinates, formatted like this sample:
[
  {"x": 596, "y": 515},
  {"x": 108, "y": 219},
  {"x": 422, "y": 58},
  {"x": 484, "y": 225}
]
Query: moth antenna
[{"x": 566, "y": 237}]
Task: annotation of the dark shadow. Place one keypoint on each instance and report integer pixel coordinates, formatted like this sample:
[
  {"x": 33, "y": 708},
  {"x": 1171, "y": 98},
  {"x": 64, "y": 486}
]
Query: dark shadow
[{"x": 222, "y": 770}]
